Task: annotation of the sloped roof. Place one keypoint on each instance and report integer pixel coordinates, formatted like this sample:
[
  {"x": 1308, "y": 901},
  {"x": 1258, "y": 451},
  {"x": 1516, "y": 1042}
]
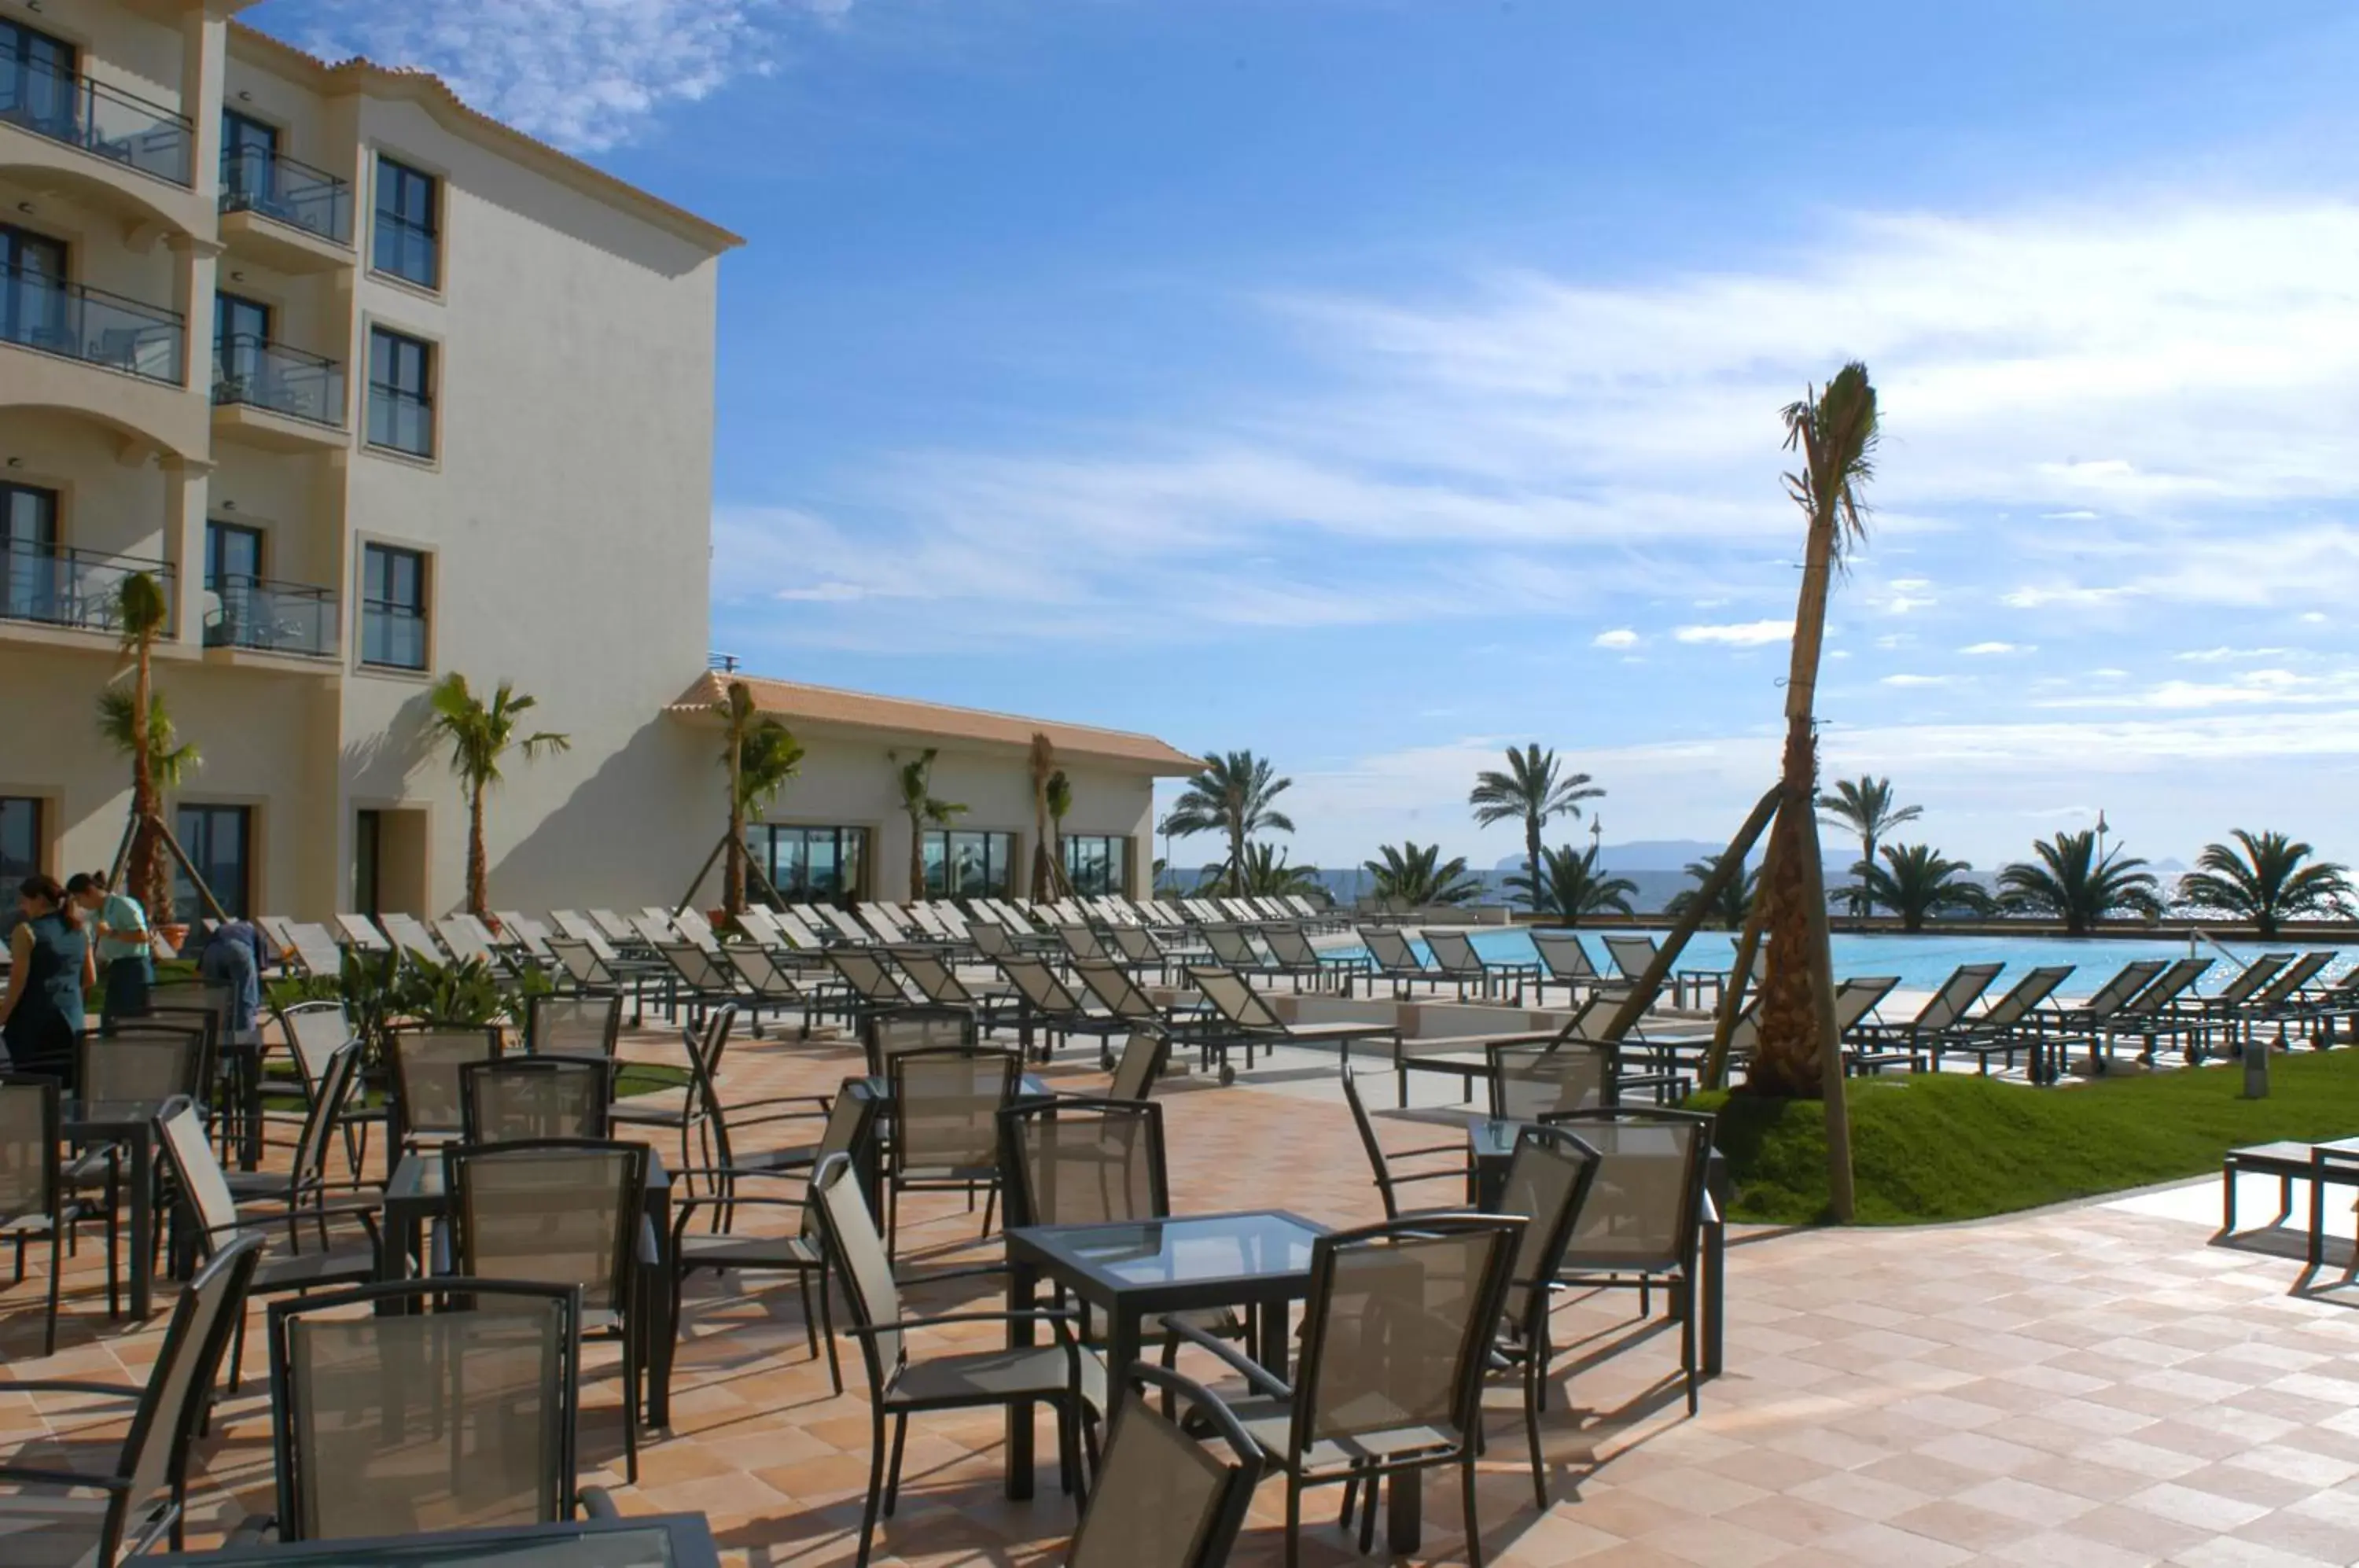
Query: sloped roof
[{"x": 795, "y": 704}]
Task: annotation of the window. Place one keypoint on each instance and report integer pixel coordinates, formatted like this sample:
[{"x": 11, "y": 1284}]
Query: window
[
  {"x": 408, "y": 225},
  {"x": 218, "y": 840},
  {"x": 32, "y": 578},
  {"x": 1098, "y": 864},
  {"x": 34, "y": 308},
  {"x": 241, "y": 337},
  {"x": 249, "y": 160},
  {"x": 37, "y": 82},
  {"x": 401, "y": 393},
  {"x": 368, "y": 859},
  {"x": 20, "y": 851},
  {"x": 393, "y": 607},
  {"x": 969, "y": 865},
  {"x": 233, "y": 556},
  {"x": 804, "y": 864}
]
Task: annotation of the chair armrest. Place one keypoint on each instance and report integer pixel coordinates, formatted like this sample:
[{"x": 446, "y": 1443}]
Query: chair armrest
[
  {"x": 34, "y": 1474},
  {"x": 1245, "y": 1366},
  {"x": 68, "y": 1386},
  {"x": 1458, "y": 1148},
  {"x": 901, "y": 1325},
  {"x": 978, "y": 1271},
  {"x": 1459, "y": 1175},
  {"x": 824, "y": 1103},
  {"x": 596, "y": 1504}
]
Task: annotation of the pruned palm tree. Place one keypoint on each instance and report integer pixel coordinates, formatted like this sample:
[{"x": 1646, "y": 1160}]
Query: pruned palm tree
[
  {"x": 915, "y": 779},
  {"x": 2265, "y": 882},
  {"x": 1048, "y": 879},
  {"x": 760, "y": 755},
  {"x": 1834, "y": 430},
  {"x": 1735, "y": 900},
  {"x": 480, "y": 735},
  {"x": 1233, "y": 795},
  {"x": 1571, "y": 886},
  {"x": 1865, "y": 805},
  {"x": 142, "y": 613},
  {"x": 1265, "y": 874},
  {"x": 1534, "y": 790},
  {"x": 2068, "y": 882},
  {"x": 1915, "y": 881},
  {"x": 1409, "y": 873},
  {"x": 1058, "y": 798}
]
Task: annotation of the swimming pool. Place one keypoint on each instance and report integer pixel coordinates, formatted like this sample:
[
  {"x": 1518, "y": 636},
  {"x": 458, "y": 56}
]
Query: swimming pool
[{"x": 1922, "y": 962}]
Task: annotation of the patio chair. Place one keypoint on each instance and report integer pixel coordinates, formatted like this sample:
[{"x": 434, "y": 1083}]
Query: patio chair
[
  {"x": 1245, "y": 1016},
  {"x": 946, "y": 1103},
  {"x": 35, "y": 1201},
  {"x": 1380, "y": 1163},
  {"x": 1643, "y": 1222},
  {"x": 2004, "y": 1026},
  {"x": 901, "y": 1385},
  {"x": 1143, "y": 1057},
  {"x": 1463, "y": 964},
  {"x": 138, "y": 1505},
  {"x": 1633, "y": 956},
  {"x": 1398, "y": 1333},
  {"x": 303, "y": 1189},
  {"x": 930, "y": 971},
  {"x": 1390, "y": 957},
  {"x": 1296, "y": 956},
  {"x": 390, "y": 1419},
  {"x": 1170, "y": 1493},
  {"x": 691, "y": 1113},
  {"x": 587, "y": 1023},
  {"x": 560, "y": 1211},
  {"x": 1943, "y": 1010},
  {"x": 1564, "y": 962},
  {"x": 849, "y": 1130},
  {"x": 1050, "y": 1006},
  {"x": 518, "y": 1098},
  {"x": 1530, "y": 1080},
  {"x": 1548, "y": 1181},
  {"x": 885, "y": 1035},
  {"x": 145, "y": 1062},
  {"x": 429, "y": 1102}
]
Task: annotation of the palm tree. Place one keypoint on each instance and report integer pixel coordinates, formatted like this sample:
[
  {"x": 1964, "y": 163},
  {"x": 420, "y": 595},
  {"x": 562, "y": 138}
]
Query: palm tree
[
  {"x": 2072, "y": 884},
  {"x": 918, "y": 803},
  {"x": 1571, "y": 886},
  {"x": 1735, "y": 900},
  {"x": 760, "y": 755},
  {"x": 143, "y": 612},
  {"x": 1233, "y": 795},
  {"x": 1835, "y": 430},
  {"x": 1048, "y": 879},
  {"x": 1265, "y": 874},
  {"x": 1916, "y": 880},
  {"x": 1865, "y": 805},
  {"x": 1058, "y": 798},
  {"x": 1408, "y": 873},
  {"x": 2266, "y": 883},
  {"x": 480, "y": 733},
  {"x": 1534, "y": 790}
]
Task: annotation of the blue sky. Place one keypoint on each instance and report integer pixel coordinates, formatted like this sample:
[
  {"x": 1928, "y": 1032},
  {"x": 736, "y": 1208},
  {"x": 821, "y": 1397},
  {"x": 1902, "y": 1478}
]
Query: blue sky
[{"x": 1376, "y": 385}]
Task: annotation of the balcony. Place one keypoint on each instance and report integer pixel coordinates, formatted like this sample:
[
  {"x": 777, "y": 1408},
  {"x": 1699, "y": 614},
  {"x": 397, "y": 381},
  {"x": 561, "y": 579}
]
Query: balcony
[
  {"x": 393, "y": 636},
  {"x": 285, "y": 213},
  {"x": 76, "y": 590},
  {"x": 262, "y": 617},
  {"x": 73, "y": 321},
  {"x": 103, "y": 145},
  {"x": 272, "y": 396}
]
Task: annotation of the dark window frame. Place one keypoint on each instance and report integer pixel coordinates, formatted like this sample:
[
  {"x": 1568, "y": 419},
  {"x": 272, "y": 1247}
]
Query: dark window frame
[
  {"x": 218, "y": 529},
  {"x": 386, "y": 601},
  {"x": 408, "y": 219},
  {"x": 196, "y": 823},
  {"x": 998, "y": 876},
  {"x": 401, "y": 377},
  {"x": 765, "y": 839},
  {"x": 1117, "y": 851}
]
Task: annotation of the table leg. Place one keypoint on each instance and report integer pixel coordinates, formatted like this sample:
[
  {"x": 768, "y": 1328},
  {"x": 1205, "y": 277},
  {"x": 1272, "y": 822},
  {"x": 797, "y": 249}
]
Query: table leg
[
  {"x": 1270, "y": 1347},
  {"x": 1123, "y": 1334},
  {"x": 1715, "y": 1287},
  {"x": 1020, "y": 1299},
  {"x": 143, "y": 1224}
]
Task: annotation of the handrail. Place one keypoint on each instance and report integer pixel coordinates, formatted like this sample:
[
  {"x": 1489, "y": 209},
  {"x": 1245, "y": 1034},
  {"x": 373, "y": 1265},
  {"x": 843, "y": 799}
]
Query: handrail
[
  {"x": 254, "y": 370},
  {"x": 67, "y": 587},
  {"x": 253, "y": 180},
  {"x": 27, "y": 278},
  {"x": 271, "y": 616},
  {"x": 86, "y": 114},
  {"x": 76, "y": 321}
]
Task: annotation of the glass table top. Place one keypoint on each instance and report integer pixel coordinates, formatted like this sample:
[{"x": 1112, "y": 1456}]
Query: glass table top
[{"x": 1184, "y": 1250}]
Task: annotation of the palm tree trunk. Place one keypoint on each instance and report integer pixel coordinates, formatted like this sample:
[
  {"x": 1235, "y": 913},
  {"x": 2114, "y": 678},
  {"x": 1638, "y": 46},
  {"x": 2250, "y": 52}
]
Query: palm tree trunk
[
  {"x": 732, "y": 877},
  {"x": 1532, "y": 861},
  {"x": 1861, "y": 907},
  {"x": 916, "y": 856},
  {"x": 479, "y": 879},
  {"x": 1649, "y": 985},
  {"x": 149, "y": 884}
]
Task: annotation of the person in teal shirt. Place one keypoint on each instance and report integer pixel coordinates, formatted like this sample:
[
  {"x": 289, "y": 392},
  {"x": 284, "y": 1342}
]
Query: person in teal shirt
[{"x": 125, "y": 959}]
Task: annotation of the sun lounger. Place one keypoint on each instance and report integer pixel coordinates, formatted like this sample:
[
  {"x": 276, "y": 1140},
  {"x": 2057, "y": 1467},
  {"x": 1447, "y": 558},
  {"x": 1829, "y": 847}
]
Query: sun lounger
[
  {"x": 1942, "y": 1011},
  {"x": 1463, "y": 963},
  {"x": 1247, "y": 1018},
  {"x": 1633, "y": 956},
  {"x": 361, "y": 932},
  {"x": 1051, "y": 1006},
  {"x": 1565, "y": 962},
  {"x": 416, "y": 943},
  {"x": 2005, "y": 1026},
  {"x": 614, "y": 927},
  {"x": 930, "y": 971},
  {"x": 2154, "y": 1014},
  {"x": 1295, "y": 955},
  {"x": 1390, "y": 957}
]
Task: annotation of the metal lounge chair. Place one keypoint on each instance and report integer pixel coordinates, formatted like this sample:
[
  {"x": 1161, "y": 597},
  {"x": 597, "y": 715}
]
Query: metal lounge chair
[
  {"x": 1565, "y": 962},
  {"x": 1943, "y": 1010},
  {"x": 2005, "y": 1026},
  {"x": 1463, "y": 963},
  {"x": 1295, "y": 957},
  {"x": 2152, "y": 1014},
  {"x": 1052, "y": 1008},
  {"x": 1247, "y": 1018},
  {"x": 1391, "y": 958},
  {"x": 929, "y": 969}
]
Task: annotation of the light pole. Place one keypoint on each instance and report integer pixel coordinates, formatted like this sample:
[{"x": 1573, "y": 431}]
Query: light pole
[
  {"x": 1596, "y": 838},
  {"x": 2101, "y": 836}
]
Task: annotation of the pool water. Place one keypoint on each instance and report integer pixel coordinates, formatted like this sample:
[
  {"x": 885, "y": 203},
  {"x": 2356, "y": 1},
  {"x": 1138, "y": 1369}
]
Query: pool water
[{"x": 1922, "y": 962}]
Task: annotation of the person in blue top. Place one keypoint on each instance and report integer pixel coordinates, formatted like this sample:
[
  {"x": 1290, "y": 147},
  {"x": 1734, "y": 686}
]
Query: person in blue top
[
  {"x": 234, "y": 956},
  {"x": 51, "y": 966},
  {"x": 125, "y": 961}
]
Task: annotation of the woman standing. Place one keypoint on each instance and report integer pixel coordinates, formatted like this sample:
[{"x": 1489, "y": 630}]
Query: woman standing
[{"x": 41, "y": 1016}]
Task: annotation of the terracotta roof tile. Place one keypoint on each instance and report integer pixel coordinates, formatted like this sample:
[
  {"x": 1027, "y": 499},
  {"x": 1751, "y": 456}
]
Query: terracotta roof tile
[{"x": 827, "y": 706}]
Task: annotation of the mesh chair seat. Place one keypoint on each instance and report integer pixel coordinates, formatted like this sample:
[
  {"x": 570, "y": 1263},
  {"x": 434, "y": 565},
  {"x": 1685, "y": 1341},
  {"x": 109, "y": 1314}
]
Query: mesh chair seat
[
  {"x": 733, "y": 1251},
  {"x": 1270, "y": 1421},
  {"x": 46, "y": 1526},
  {"x": 984, "y": 1375}
]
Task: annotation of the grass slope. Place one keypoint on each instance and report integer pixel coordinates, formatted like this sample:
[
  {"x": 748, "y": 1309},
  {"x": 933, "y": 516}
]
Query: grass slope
[{"x": 1954, "y": 1147}]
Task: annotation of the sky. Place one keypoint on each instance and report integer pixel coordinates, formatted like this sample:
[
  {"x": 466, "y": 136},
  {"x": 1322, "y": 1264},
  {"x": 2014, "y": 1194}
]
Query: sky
[{"x": 1378, "y": 383}]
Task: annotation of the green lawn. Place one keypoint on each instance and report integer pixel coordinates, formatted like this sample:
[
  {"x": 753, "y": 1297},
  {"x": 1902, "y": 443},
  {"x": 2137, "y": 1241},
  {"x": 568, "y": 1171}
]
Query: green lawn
[{"x": 1953, "y": 1147}]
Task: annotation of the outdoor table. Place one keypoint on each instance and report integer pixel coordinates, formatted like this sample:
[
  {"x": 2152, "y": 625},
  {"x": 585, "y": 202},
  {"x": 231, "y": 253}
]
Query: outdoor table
[
  {"x": 641, "y": 1540},
  {"x": 2288, "y": 1160},
  {"x": 132, "y": 1123},
  {"x": 1491, "y": 1147},
  {"x": 415, "y": 1197},
  {"x": 1132, "y": 1271}
]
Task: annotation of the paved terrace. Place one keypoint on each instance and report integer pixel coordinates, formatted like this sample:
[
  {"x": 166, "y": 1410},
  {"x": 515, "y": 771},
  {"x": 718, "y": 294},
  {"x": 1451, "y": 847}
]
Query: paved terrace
[{"x": 2096, "y": 1385}]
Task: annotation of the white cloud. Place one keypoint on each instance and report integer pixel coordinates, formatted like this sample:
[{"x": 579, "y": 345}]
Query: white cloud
[
  {"x": 1983, "y": 650},
  {"x": 2226, "y": 655},
  {"x": 1914, "y": 681},
  {"x": 585, "y": 75},
  {"x": 2036, "y": 596},
  {"x": 1621, "y": 637},
  {"x": 1746, "y": 634}
]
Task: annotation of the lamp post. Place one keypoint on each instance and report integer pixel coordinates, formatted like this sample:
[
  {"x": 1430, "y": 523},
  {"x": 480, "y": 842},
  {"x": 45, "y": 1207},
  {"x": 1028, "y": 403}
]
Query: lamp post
[
  {"x": 2101, "y": 836},
  {"x": 1596, "y": 838}
]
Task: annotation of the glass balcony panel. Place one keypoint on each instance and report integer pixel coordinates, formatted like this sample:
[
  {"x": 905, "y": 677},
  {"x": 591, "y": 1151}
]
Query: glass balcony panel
[
  {"x": 38, "y": 312},
  {"x": 103, "y": 121},
  {"x": 264, "y": 375},
  {"x": 271, "y": 617},
  {"x": 256, "y": 179},
  {"x": 75, "y": 588}
]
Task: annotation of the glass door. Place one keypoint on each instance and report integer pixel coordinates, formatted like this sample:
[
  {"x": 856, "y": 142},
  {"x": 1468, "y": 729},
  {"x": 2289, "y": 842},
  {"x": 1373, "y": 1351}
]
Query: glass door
[
  {"x": 241, "y": 336},
  {"x": 28, "y": 552},
  {"x": 368, "y": 850},
  {"x": 37, "y": 81},
  {"x": 249, "y": 161},
  {"x": 32, "y": 290}
]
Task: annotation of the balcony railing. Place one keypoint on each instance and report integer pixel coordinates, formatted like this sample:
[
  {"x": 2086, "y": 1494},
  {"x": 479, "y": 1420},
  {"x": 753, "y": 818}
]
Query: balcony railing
[
  {"x": 256, "y": 179},
  {"x": 264, "y": 375},
  {"x": 77, "y": 588},
  {"x": 392, "y": 635},
  {"x": 271, "y": 617},
  {"x": 42, "y": 312},
  {"x": 103, "y": 121}
]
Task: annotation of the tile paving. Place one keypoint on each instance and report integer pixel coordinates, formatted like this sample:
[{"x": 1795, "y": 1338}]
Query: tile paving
[{"x": 2089, "y": 1385}]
